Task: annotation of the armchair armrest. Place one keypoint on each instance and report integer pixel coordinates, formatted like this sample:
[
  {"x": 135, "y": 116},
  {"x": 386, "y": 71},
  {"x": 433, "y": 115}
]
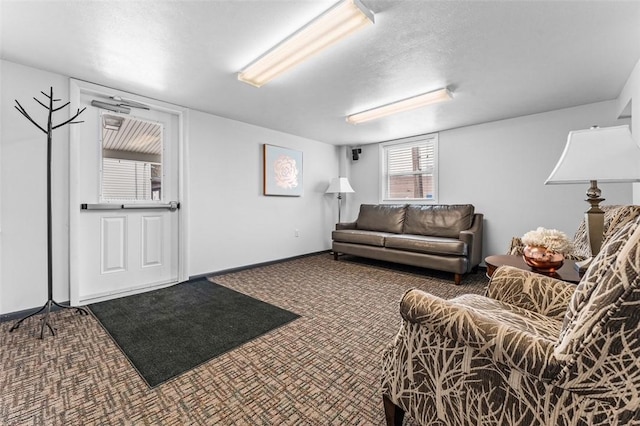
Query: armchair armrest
[
  {"x": 517, "y": 246},
  {"x": 345, "y": 225},
  {"x": 473, "y": 238},
  {"x": 505, "y": 344},
  {"x": 528, "y": 290}
]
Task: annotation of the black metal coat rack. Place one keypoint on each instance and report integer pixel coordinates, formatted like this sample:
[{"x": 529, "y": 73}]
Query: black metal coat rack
[{"x": 49, "y": 131}]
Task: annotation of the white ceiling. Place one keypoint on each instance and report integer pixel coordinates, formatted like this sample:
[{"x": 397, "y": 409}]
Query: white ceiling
[{"x": 501, "y": 59}]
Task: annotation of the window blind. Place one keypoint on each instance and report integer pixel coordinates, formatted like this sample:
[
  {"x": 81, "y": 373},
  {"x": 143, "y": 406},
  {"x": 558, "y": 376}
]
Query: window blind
[
  {"x": 412, "y": 159},
  {"x": 409, "y": 169},
  {"x": 125, "y": 180}
]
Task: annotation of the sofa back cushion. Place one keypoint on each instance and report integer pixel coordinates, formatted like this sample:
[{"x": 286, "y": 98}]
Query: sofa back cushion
[
  {"x": 384, "y": 217},
  {"x": 438, "y": 220}
]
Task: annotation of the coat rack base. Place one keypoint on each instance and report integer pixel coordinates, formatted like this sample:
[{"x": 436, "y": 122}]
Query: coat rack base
[{"x": 45, "y": 320}]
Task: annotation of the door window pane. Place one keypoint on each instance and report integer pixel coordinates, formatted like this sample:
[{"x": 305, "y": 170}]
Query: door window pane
[{"x": 131, "y": 159}]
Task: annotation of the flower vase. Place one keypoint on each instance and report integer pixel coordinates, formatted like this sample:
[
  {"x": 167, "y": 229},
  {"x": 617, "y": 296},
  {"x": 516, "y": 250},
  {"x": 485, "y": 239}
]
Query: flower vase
[{"x": 542, "y": 260}]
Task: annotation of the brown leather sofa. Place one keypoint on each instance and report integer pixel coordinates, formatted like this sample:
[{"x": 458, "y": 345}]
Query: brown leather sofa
[{"x": 442, "y": 237}]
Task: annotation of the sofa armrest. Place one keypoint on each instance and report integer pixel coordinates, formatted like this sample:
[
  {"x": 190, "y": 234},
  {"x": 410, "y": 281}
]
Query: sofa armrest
[
  {"x": 345, "y": 225},
  {"x": 473, "y": 238},
  {"x": 533, "y": 292},
  {"x": 482, "y": 331}
]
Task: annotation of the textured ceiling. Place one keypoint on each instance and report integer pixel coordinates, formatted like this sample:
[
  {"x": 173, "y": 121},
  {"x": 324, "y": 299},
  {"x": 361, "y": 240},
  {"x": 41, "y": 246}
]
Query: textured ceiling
[{"x": 501, "y": 59}]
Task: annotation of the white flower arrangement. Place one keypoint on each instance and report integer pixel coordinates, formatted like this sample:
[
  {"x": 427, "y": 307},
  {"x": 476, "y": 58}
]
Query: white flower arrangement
[{"x": 553, "y": 240}]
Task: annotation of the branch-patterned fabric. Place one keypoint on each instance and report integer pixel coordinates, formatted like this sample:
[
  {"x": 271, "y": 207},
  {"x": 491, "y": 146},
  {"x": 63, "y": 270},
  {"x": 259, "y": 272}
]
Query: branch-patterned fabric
[
  {"x": 533, "y": 351},
  {"x": 615, "y": 216},
  {"x": 533, "y": 292}
]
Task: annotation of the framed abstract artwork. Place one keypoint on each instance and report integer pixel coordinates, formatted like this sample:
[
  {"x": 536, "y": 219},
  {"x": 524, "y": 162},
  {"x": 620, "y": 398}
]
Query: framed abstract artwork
[{"x": 282, "y": 171}]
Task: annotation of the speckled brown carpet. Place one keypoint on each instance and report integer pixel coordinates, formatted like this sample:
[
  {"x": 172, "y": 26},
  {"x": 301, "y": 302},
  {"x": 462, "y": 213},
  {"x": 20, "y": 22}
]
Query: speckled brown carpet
[{"x": 321, "y": 369}]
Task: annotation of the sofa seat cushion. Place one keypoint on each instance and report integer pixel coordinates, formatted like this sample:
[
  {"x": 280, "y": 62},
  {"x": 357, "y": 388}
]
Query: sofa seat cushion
[
  {"x": 357, "y": 236},
  {"x": 429, "y": 245},
  {"x": 438, "y": 220},
  {"x": 383, "y": 218}
]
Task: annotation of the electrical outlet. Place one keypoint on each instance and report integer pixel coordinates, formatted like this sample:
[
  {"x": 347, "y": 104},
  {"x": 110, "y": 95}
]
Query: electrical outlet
[{"x": 296, "y": 233}]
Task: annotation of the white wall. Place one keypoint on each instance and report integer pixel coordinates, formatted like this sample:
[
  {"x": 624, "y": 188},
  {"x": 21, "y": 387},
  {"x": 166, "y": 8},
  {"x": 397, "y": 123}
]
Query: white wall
[
  {"x": 500, "y": 168},
  {"x": 631, "y": 95},
  {"x": 231, "y": 223},
  {"x": 23, "y": 177}
]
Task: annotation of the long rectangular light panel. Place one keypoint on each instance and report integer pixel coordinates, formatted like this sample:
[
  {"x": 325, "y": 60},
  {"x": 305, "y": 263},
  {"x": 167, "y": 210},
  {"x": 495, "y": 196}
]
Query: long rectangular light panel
[
  {"x": 336, "y": 23},
  {"x": 436, "y": 96}
]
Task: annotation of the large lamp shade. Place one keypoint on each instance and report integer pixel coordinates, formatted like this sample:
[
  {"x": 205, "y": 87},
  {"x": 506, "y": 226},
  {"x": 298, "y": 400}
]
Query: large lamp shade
[{"x": 607, "y": 154}]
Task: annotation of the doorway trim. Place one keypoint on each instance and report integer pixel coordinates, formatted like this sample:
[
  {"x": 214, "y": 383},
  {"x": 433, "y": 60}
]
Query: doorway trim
[{"x": 78, "y": 88}]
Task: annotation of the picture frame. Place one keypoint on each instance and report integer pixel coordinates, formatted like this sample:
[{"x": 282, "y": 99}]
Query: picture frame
[{"x": 283, "y": 171}]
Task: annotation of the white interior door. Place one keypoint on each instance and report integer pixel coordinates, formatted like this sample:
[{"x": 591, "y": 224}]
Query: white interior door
[{"x": 125, "y": 184}]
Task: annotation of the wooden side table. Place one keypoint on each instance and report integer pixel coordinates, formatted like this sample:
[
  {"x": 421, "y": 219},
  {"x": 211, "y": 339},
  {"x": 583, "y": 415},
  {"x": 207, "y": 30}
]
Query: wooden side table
[{"x": 567, "y": 273}]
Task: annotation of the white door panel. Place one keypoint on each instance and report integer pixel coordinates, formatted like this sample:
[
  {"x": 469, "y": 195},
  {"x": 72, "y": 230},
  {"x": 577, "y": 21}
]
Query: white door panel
[
  {"x": 152, "y": 241},
  {"x": 113, "y": 244},
  {"x": 117, "y": 250}
]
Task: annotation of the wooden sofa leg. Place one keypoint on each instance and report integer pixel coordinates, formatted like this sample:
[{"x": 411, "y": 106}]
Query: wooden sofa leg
[
  {"x": 393, "y": 414},
  {"x": 335, "y": 255},
  {"x": 457, "y": 279}
]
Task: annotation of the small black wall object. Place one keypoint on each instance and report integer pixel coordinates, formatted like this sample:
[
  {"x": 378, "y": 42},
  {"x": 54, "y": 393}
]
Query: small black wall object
[{"x": 355, "y": 154}]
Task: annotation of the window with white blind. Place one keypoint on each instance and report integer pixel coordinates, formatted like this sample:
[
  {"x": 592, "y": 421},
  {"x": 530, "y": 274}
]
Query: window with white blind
[
  {"x": 409, "y": 169},
  {"x": 128, "y": 180},
  {"x": 131, "y": 159}
]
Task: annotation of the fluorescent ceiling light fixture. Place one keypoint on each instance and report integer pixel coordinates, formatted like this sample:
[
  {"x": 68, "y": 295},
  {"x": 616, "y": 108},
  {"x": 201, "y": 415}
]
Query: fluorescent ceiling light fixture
[
  {"x": 336, "y": 23},
  {"x": 436, "y": 96}
]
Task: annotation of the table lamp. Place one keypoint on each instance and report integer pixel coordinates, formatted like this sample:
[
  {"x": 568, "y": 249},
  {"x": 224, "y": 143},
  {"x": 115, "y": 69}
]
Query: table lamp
[
  {"x": 339, "y": 185},
  {"x": 605, "y": 154}
]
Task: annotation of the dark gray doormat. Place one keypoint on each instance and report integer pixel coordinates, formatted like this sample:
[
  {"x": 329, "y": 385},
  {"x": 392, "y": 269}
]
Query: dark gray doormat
[{"x": 167, "y": 332}]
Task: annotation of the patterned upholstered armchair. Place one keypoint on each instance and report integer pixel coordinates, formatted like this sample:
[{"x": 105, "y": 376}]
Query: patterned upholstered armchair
[
  {"x": 614, "y": 217},
  {"x": 532, "y": 351}
]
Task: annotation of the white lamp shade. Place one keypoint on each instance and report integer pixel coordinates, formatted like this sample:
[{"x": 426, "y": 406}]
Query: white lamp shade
[
  {"x": 339, "y": 185},
  {"x": 607, "y": 154}
]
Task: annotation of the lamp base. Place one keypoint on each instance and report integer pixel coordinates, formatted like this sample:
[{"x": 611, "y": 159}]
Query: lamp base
[{"x": 594, "y": 218}]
